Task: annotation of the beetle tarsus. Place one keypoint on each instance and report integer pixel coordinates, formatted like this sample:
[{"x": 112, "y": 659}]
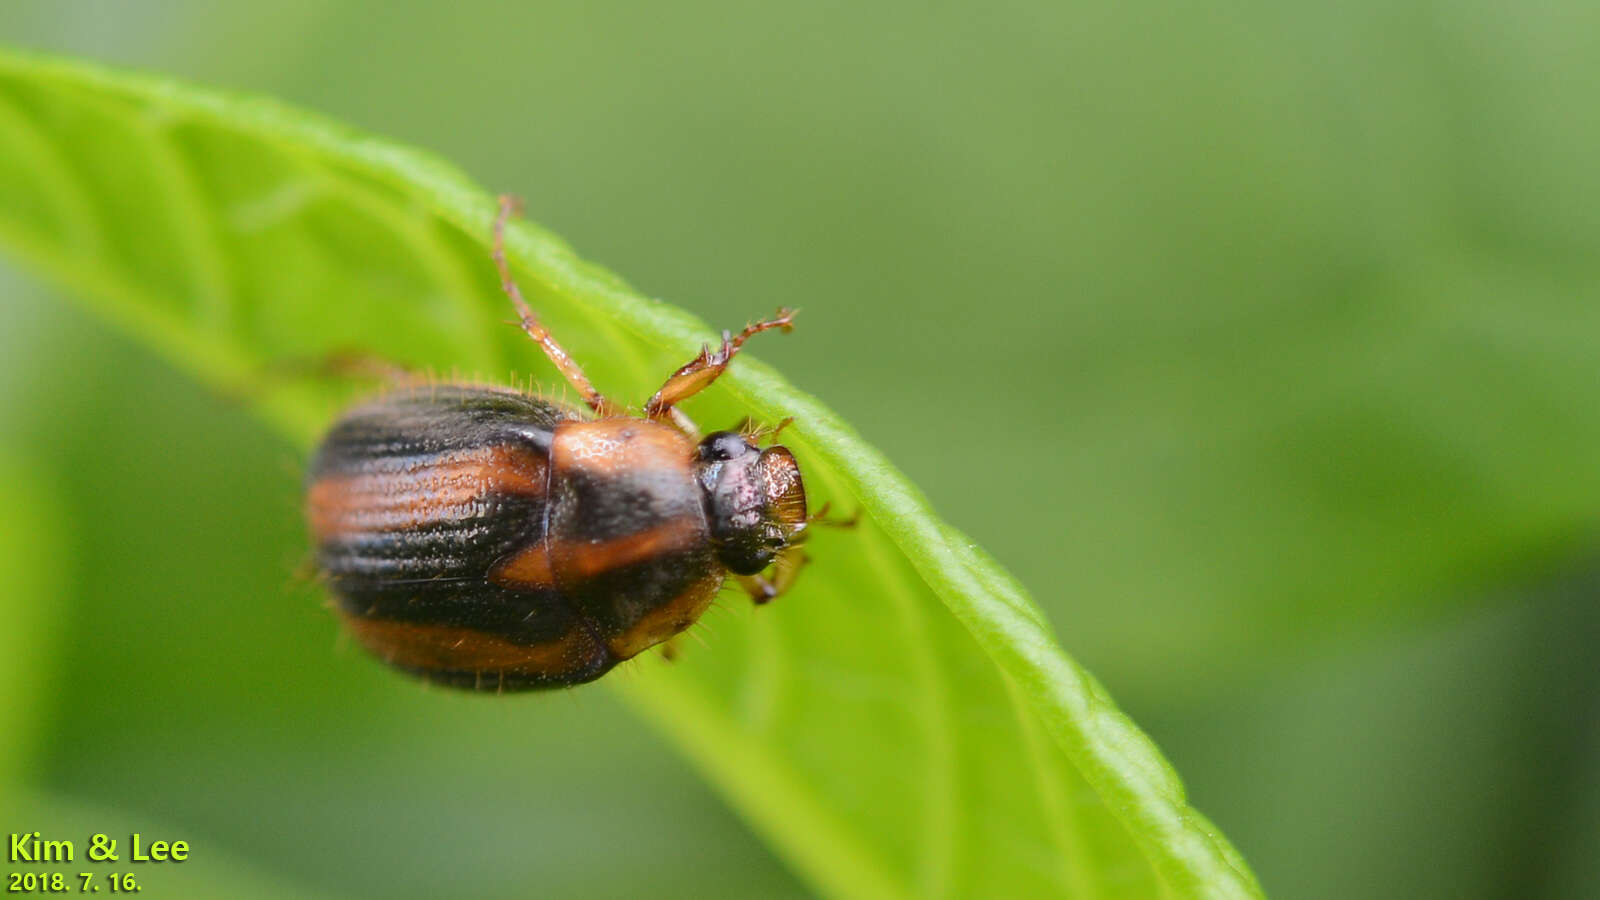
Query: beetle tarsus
[{"x": 700, "y": 372}]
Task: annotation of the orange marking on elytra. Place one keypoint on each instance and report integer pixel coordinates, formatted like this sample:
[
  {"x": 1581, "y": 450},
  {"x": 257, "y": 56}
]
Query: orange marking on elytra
[
  {"x": 528, "y": 569},
  {"x": 445, "y": 648},
  {"x": 448, "y": 488}
]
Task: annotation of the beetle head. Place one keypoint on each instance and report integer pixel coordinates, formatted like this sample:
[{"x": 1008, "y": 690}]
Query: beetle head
[{"x": 755, "y": 501}]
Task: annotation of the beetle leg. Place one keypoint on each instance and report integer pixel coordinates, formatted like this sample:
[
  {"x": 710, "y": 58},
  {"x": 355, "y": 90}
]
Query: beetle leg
[
  {"x": 760, "y": 590},
  {"x": 353, "y": 363},
  {"x": 684, "y": 424},
  {"x": 758, "y": 433},
  {"x": 800, "y": 533},
  {"x": 821, "y": 517},
  {"x": 784, "y": 571},
  {"x": 346, "y": 363},
  {"x": 704, "y": 369},
  {"x": 672, "y": 648},
  {"x": 535, "y": 329}
]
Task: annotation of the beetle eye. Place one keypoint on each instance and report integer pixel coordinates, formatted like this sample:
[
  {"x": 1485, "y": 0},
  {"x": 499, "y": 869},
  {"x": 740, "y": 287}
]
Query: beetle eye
[{"x": 722, "y": 446}]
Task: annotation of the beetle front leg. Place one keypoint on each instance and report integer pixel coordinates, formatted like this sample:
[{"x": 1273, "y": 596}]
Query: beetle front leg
[
  {"x": 705, "y": 368},
  {"x": 785, "y": 569},
  {"x": 758, "y": 433}
]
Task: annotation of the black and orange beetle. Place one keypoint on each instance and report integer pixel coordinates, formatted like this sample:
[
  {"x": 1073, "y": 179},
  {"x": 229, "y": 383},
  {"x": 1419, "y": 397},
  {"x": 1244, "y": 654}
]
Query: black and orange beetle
[{"x": 488, "y": 539}]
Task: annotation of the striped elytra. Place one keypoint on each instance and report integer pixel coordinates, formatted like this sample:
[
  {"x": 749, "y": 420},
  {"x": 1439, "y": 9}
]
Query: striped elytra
[{"x": 484, "y": 538}]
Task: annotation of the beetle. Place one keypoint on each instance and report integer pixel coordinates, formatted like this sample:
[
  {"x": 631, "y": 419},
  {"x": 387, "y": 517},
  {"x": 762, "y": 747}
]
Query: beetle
[{"x": 490, "y": 539}]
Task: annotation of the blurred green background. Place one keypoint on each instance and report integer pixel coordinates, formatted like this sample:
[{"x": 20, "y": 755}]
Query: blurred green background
[{"x": 1261, "y": 342}]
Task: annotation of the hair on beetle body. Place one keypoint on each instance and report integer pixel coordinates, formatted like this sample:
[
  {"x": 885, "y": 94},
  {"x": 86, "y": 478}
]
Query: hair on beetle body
[{"x": 497, "y": 539}]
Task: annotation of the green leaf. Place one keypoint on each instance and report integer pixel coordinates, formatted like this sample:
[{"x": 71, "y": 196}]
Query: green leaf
[
  {"x": 903, "y": 724},
  {"x": 32, "y": 559}
]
